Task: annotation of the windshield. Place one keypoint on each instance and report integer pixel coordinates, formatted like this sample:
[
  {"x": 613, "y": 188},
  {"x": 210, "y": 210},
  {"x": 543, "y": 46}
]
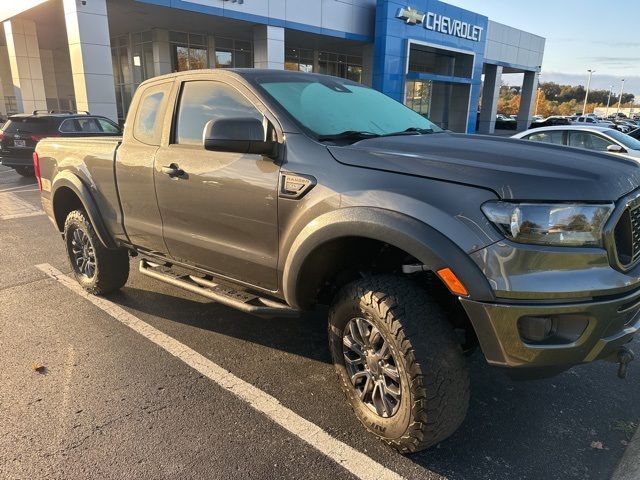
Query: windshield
[
  {"x": 624, "y": 139},
  {"x": 330, "y": 107}
]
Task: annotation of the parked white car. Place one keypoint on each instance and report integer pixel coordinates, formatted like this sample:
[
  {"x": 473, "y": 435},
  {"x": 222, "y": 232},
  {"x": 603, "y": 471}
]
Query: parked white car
[{"x": 599, "y": 138}]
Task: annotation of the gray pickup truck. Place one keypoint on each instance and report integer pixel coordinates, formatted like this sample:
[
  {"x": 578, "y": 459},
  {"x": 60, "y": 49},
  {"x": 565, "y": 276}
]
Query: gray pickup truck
[{"x": 273, "y": 192}]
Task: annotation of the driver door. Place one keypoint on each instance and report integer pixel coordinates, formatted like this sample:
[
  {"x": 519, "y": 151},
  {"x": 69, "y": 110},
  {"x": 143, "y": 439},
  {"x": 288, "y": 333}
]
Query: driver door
[{"x": 220, "y": 211}]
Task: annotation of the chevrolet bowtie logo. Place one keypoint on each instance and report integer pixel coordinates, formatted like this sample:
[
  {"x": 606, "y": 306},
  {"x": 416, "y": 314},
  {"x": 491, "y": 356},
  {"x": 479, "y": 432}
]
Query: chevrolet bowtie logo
[{"x": 410, "y": 15}]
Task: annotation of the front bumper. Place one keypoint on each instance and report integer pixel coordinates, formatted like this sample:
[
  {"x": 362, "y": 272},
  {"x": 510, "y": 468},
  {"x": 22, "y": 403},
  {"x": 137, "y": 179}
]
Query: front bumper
[{"x": 608, "y": 324}]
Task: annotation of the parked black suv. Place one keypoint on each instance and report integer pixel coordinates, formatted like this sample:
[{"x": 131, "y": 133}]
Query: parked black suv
[{"x": 20, "y": 134}]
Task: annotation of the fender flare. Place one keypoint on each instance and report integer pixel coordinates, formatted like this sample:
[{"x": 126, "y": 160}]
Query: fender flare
[
  {"x": 73, "y": 182},
  {"x": 416, "y": 238}
]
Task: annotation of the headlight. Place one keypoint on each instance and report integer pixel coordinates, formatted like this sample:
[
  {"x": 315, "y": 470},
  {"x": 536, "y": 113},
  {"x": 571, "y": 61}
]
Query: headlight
[{"x": 571, "y": 225}]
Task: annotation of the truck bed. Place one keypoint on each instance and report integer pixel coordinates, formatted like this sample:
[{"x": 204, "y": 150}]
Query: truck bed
[{"x": 92, "y": 159}]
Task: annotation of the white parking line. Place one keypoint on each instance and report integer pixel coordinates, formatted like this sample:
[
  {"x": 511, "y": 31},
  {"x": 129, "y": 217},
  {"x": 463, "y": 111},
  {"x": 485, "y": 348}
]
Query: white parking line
[
  {"x": 20, "y": 215},
  {"x": 347, "y": 457},
  {"x": 12, "y": 206},
  {"x": 27, "y": 188}
]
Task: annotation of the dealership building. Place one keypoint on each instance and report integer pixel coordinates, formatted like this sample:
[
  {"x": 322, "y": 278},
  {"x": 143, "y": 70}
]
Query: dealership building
[{"x": 440, "y": 60}]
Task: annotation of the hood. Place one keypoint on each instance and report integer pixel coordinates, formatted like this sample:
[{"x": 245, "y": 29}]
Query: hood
[{"x": 513, "y": 169}]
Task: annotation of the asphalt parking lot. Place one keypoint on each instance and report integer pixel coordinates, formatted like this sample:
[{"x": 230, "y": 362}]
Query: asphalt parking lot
[{"x": 110, "y": 403}]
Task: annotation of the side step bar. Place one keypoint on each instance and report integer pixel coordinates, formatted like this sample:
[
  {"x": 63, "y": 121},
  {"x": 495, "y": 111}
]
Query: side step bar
[{"x": 223, "y": 294}]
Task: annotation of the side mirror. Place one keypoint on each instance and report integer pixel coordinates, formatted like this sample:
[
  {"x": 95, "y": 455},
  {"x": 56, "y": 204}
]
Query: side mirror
[
  {"x": 239, "y": 135},
  {"x": 615, "y": 149}
]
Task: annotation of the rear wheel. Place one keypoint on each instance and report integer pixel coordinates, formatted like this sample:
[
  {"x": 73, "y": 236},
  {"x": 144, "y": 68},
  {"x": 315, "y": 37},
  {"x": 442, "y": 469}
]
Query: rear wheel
[
  {"x": 25, "y": 171},
  {"x": 399, "y": 363},
  {"x": 98, "y": 269}
]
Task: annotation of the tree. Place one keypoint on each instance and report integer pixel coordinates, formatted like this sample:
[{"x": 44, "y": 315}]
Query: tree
[{"x": 555, "y": 99}]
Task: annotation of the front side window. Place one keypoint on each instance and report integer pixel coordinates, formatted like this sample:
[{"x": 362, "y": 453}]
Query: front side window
[
  {"x": 202, "y": 101},
  {"x": 333, "y": 106},
  {"x": 628, "y": 141},
  {"x": 588, "y": 140}
]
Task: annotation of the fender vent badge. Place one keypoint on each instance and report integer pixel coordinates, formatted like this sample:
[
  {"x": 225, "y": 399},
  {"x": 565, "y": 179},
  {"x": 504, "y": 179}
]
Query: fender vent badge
[{"x": 295, "y": 186}]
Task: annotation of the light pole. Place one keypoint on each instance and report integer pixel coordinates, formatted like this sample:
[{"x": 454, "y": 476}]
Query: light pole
[
  {"x": 620, "y": 98},
  {"x": 609, "y": 99},
  {"x": 537, "y": 100},
  {"x": 586, "y": 94}
]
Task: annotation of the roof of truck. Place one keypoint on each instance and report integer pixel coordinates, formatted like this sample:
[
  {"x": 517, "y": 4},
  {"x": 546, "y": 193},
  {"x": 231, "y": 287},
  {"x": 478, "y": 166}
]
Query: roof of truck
[{"x": 248, "y": 73}]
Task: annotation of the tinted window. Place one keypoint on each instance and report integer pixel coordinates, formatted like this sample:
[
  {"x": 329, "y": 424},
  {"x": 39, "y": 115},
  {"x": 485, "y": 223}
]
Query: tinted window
[
  {"x": 68, "y": 126},
  {"x": 554, "y": 137},
  {"x": 202, "y": 101},
  {"x": 108, "y": 127},
  {"x": 148, "y": 123},
  {"x": 88, "y": 125},
  {"x": 27, "y": 125},
  {"x": 588, "y": 140}
]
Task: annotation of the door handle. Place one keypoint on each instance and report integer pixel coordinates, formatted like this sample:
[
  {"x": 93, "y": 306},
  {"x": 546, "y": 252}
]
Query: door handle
[{"x": 174, "y": 171}]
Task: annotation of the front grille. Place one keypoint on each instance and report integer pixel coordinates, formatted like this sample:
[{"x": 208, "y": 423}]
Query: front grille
[{"x": 627, "y": 236}]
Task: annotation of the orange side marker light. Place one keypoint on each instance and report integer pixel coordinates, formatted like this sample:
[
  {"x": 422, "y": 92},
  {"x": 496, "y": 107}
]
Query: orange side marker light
[{"x": 452, "y": 282}]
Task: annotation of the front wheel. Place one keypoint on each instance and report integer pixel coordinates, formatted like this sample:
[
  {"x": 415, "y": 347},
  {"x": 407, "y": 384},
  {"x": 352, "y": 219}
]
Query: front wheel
[
  {"x": 98, "y": 269},
  {"x": 399, "y": 363}
]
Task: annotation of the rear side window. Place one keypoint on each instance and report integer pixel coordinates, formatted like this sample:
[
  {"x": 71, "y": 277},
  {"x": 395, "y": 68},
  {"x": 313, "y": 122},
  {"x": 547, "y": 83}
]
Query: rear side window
[
  {"x": 202, "y": 101},
  {"x": 68, "y": 126},
  {"x": 546, "y": 137},
  {"x": 88, "y": 125},
  {"x": 147, "y": 126}
]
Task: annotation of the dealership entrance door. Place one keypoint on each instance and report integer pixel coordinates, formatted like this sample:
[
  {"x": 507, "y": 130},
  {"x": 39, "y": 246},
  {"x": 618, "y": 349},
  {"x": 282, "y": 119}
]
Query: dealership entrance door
[
  {"x": 438, "y": 84},
  {"x": 445, "y": 104}
]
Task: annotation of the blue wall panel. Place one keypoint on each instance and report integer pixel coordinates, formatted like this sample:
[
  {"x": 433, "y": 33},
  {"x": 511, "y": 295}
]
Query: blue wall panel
[{"x": 392, "y": 37}]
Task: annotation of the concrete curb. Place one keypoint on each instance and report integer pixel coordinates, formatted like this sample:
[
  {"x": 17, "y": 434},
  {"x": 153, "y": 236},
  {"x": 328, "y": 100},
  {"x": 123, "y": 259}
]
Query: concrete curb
[{"x": 629, "y": 466}]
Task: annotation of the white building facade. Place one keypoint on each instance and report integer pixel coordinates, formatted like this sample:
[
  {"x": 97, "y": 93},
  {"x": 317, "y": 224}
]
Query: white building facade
[{"x": 92, "y": 54}]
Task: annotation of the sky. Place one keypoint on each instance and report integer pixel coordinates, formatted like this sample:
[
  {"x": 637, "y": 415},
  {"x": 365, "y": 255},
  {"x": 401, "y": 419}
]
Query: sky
[{"x": 602, "y": 35}]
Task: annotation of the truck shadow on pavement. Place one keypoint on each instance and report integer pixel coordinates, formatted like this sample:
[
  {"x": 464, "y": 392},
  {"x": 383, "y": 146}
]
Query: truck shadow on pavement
[
  {"x": 306, "y": 336},
  {"x": 539, "y": 429}
]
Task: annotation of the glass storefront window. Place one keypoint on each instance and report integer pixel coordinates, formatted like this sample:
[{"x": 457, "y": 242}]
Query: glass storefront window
[
  {"x": 189, "y": 51},
  {"x": 187, "y": 58},
  {"x": 142, "y": 57},
  {"x": 300, "y": 59},
  {"x": 354, "y": 72},
  {"x": 224, "y": 59},
  {"x": 418, "y": 96},
  {"x": 340, "y": 65},
  {"x": 11, "y": 104},
  {"x": 122, "y": 73},
  {"x": 232, "y": 53}
]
